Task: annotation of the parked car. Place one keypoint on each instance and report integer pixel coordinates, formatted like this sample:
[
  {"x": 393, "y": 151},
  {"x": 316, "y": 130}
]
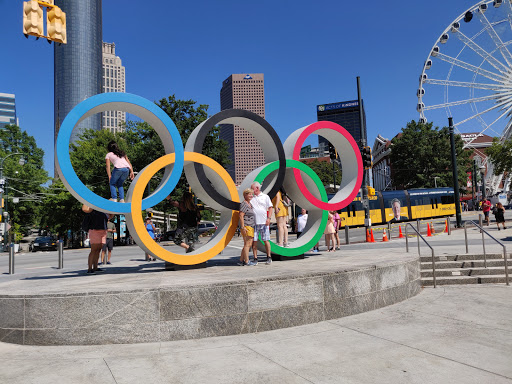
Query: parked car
[
  {"x": 43, "y": 243},
  {"x": 207, "y": 227}
]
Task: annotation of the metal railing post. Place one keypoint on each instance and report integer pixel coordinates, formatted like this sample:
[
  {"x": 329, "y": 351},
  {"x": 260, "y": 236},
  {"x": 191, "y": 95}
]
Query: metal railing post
[
  {"x": 347, "y": 238},
  {"x": 406, "y": 240},
  {"x": 483, "y": 245},
  {"x": 506, "y": 262},
  {"x": 433, "y": 267},
  {"x": 448, "y": 226},
  {"x": 480, "y": 222},
  {"x": 466, "y": 235},
  {"x": 418, "y": 225},
  {"x": 389, "y": 231},
  {"x": 61, "y": 254},
  {"x": 11, "y": 259}
]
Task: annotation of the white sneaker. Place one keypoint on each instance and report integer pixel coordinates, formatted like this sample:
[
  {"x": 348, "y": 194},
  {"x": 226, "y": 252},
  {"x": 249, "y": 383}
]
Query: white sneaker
[
  {"x": 115, "y": 200},
  {"x": 121, "y": 201},
  {"x": 269, "y": 261}
]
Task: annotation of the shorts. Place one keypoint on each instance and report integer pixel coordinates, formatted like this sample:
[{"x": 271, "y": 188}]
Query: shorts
[
  {"x": 109, "y": 244},
  {"x": 250, "y": 231},
  {"x": 263, "y": 231},
  {"x": 185, "y": 235},
  {"x": 486, "y": 214},
  {"x": 97, "y": 236}
]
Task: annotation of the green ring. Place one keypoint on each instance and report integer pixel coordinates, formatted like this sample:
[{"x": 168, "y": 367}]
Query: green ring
[{"x": 295, "y": 251}]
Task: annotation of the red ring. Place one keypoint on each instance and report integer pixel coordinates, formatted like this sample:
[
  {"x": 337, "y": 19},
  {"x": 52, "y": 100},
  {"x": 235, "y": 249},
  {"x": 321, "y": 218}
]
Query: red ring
[{"x": 298, "y": 177}]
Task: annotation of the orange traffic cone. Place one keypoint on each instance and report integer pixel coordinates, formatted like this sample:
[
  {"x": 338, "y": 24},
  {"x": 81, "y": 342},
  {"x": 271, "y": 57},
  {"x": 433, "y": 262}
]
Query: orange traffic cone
[
  {"x": 372, "y": 240},
  {"x": 400, "y": 236},
  {"x": 384, "y": 236},
  {"x": 429, "y": 234},
  {"x": 446, "y": 226},
  {"x": 368, "y": 239},
  {"x": 432, "y": 228}
]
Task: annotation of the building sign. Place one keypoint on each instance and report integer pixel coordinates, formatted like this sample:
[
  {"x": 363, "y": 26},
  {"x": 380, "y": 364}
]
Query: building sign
[
  {"x": 247, "y": 77},
  {"x": 345, "y": 104}
]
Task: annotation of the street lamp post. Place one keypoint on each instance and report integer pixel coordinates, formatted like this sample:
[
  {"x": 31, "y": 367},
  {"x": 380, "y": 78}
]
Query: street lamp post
[
  {"x": 482, "y": 177},
  {"x": 3, "y": 190}
]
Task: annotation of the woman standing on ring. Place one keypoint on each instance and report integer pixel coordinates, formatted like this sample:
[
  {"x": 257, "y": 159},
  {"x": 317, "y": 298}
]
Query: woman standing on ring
[
  {"x": 122, "y": 169},
  {"x": 247, "y": 226}
]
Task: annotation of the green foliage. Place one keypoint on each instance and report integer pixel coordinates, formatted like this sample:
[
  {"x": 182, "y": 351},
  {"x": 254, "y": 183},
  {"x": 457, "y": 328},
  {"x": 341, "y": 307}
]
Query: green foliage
[
  {"x": 500, "y": 155},
  {"x": 23, "y": 181},
  {"x": 61, "y": 211},
  {"x": 422, "y": 152},
  {"x": 324, "y": 171}
]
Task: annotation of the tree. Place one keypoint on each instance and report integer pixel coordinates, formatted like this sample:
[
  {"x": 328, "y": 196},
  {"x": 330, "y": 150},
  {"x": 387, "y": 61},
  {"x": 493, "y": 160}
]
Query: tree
[
  {"x": 61, "y": 210},
  {"x": 324, "y": 171},
  {"x": 500, "y": 155},
  {"x": 422, "y": 153},
  {"x": 23, "y": 181}
]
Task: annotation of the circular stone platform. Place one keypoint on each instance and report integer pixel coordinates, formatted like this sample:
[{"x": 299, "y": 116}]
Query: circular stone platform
[{"x": 151, "y": 305}]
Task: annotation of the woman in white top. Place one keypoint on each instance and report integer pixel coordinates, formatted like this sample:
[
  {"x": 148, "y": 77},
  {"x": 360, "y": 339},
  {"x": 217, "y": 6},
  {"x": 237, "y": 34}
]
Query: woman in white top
[{"x": 122, "y": 169}]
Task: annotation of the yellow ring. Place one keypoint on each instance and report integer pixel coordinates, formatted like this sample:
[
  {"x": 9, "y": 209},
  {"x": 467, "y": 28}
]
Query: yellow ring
[{"x": 138, "y": 222}]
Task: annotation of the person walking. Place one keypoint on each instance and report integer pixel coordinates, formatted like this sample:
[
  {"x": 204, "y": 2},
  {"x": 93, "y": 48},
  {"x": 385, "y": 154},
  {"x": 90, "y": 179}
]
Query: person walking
[
  {"x": 499, "y": 215},
  {"x": 189, "y": 217},
  {"x": 281, "y": 204},
  {"x": 329, "y": 233},
  {"x": 95, "y": 223},
  {"x": 247, "y": 227},
  {"x": 337, "y": 223},
  {"x": 262, "y": 208},
  {"x": 109, "y": 244},
  {"x": 486, "y": 208},
  {"x": 122, "y": 169},
  {"x": 302, "y": 220},
  {"x": 150, "y": 227}
]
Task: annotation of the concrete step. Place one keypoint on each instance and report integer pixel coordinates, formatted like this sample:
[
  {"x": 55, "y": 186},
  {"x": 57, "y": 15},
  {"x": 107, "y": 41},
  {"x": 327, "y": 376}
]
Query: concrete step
[
  {"x": 465, "y": 271},
  {"x": 456, "y": 280},
  {"x": 466, "y": 264},
  {"x": 463, "y": 257}
]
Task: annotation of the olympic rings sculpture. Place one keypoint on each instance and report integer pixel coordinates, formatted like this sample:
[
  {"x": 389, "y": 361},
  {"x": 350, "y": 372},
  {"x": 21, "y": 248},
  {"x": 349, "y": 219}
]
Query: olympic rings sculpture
[{"x": 210, "y": 181}]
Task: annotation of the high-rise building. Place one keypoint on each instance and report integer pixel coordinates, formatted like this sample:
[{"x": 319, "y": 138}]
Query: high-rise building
[
  {"x": 346, "y": 114},
  {"x": 242, "y": 91},
  {"x": 7, "y": 110},
  {"x": 113, "y": 81},
  {"x": 77, "y": 64}
]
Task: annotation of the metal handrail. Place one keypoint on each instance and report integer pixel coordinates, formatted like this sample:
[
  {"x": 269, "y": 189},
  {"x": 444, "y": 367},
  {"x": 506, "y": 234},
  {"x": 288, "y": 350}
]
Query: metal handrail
[
  {"x": 428, "y": 245},
  {"x": 483, "y": 231}
]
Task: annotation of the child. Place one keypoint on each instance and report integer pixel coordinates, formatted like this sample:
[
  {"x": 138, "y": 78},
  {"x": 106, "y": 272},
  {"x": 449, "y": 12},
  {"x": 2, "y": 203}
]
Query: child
[{"x": 122, "y": 169}]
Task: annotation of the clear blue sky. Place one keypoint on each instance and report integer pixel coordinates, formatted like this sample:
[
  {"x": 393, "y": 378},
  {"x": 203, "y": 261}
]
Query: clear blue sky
[{"x": 310, "y": 53}]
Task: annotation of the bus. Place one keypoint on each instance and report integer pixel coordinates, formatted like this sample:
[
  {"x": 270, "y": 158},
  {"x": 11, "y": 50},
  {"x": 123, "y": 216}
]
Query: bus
[{"x": 397, "y": 206}]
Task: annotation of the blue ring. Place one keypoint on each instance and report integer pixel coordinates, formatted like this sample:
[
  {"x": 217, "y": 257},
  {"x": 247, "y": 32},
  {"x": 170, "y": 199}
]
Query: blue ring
[{"x": 68, "y": 175}]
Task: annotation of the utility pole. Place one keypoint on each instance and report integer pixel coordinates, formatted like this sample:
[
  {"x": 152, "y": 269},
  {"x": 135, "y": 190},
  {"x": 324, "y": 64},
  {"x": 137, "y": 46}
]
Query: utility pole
[
  {"x": 474, "y": 184},
  {"x": 455, "y": 174},
  {"x": 364, "y": 190}
]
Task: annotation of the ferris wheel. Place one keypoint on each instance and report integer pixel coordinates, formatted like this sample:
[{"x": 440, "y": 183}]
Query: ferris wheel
[{"x": 468, "y": 76}]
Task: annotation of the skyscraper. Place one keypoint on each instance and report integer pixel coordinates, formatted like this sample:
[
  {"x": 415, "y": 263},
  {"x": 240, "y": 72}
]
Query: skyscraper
[
  {"x": 346, "y": 114},
  {"x": 113, "y": 81},
  {"x": 77, "y": 64},
  {"x": 7, "y": 110},
  {"x": 242, "y": 91}
]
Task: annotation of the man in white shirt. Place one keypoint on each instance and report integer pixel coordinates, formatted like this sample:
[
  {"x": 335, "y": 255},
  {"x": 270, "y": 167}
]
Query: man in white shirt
[
  {"x": 262, "y": 208},
  {"x": 302, "y": 220}
]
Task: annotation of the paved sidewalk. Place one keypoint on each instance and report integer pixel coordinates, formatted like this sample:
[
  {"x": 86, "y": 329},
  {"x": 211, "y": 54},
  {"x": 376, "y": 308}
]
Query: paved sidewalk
[{"x": 446, "y": 335}]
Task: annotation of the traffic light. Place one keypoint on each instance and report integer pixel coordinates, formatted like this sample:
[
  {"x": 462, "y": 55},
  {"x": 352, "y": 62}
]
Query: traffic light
[
  {"x": 371, "y": 191},
  {"x": 332, "y": 152},
  {"x": 56, "y": 24},
  {"x": 32, "y": 19},
  {"x": 150, "y": 214},
  {"x": 366, "y": 154}
]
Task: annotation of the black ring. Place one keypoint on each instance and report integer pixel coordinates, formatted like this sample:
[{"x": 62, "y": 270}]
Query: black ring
[{"x": 205, "y": 128}]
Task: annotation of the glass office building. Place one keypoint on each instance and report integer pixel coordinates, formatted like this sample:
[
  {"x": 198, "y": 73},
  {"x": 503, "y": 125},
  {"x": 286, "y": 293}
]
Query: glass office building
[
  {"x": 78, "y": 70},
  {"x": 344, "y": 113},
  {"x": 7, "y": 110}
]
